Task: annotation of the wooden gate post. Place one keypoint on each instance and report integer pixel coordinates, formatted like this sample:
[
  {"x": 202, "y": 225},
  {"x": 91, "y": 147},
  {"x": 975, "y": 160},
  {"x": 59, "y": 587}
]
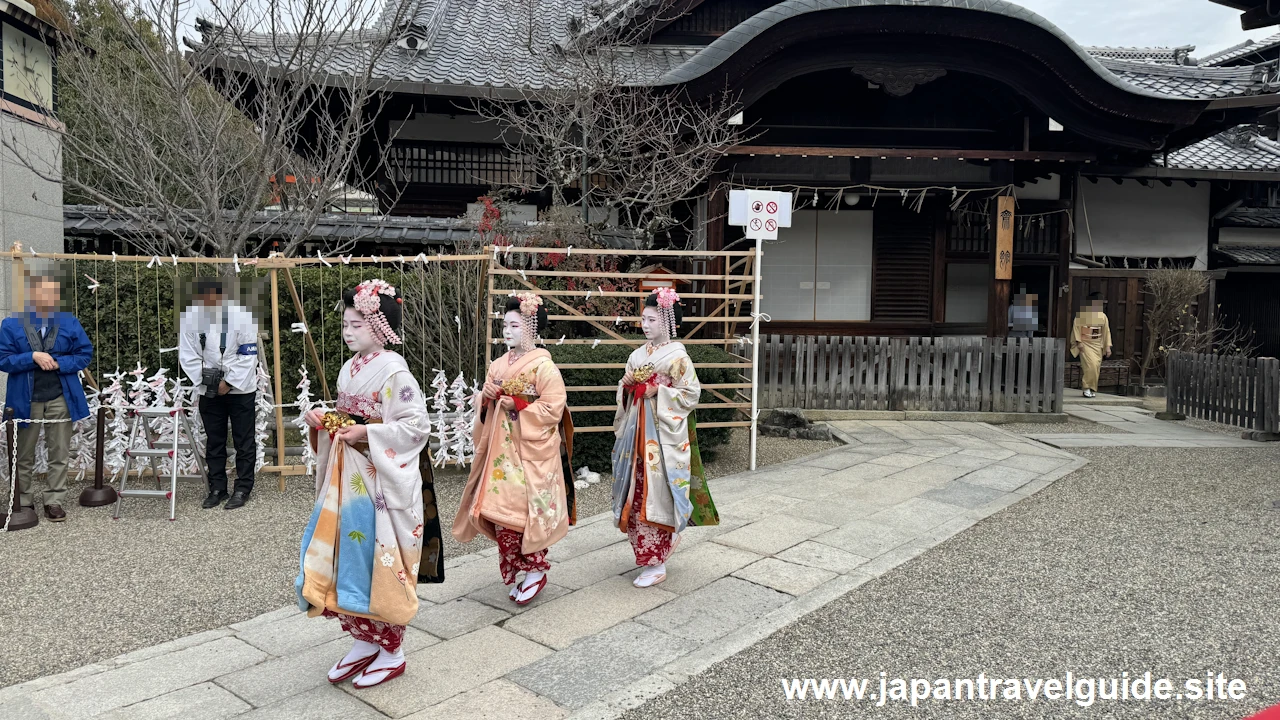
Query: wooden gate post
[{"x": 275, "y": 346}]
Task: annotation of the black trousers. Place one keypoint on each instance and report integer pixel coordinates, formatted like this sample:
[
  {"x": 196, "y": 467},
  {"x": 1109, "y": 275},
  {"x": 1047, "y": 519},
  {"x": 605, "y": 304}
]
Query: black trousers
[{"x": 241, "y": 411}]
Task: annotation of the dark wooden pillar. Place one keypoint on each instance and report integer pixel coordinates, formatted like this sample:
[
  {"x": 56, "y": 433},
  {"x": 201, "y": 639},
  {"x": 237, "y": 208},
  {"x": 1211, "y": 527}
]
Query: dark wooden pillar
[
  {"x": 998, "y": 300},
  {"x": 1066, "y": 248},
  {"x": 940, "y": 266}
]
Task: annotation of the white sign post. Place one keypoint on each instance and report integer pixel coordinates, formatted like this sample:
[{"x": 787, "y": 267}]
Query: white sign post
[{"x": 760, "y": 213}]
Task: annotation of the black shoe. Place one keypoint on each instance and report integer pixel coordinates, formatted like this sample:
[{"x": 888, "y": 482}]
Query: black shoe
[
  {"x": 238, "y": 499},
  {"x": 214, "y": 500}
]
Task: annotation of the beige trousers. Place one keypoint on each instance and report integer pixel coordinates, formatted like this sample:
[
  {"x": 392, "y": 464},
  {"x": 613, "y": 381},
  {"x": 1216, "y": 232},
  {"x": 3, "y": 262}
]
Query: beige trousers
[{"x": 57, "y": 439}]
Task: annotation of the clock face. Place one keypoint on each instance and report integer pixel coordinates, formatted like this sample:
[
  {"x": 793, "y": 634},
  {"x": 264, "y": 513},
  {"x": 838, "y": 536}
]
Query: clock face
[{"x": 28, "y": 70}]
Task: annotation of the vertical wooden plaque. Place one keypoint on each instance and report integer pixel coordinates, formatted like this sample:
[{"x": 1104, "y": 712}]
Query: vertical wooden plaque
[{"x": 1004, "y": 238}]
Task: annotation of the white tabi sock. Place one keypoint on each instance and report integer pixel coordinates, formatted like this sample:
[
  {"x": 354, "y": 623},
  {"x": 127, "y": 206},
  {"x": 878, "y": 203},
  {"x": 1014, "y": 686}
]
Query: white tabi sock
[
  {"x": 359, "y": 650},
  {"x": 386, "y": 660},
  {"x": 651, "y": 575},
  {"x": 527, "y": 587}
]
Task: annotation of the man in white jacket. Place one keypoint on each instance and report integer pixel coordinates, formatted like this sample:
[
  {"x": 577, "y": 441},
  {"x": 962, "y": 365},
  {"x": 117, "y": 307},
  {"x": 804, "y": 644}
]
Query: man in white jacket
[{"x": 218, "y": 350}]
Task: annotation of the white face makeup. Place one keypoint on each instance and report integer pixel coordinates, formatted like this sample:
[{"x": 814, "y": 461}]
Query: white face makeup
[
  {"x": 654, "y": 329},
  {"x": 357, "y": 333},
  {"x": 513, "y": 329}
]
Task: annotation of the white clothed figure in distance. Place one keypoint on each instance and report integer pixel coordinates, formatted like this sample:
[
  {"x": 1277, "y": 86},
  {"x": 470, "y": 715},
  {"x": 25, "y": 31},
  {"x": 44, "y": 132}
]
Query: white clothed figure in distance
[{"x": 218, "y": 352}]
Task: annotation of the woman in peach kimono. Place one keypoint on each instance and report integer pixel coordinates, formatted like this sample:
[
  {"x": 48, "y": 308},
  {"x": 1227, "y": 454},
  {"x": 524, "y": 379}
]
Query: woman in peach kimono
[
  {"x": 374, "y": 531},
  {"x": 518, "y": 493},
  {"x": 659, "y": 487}
]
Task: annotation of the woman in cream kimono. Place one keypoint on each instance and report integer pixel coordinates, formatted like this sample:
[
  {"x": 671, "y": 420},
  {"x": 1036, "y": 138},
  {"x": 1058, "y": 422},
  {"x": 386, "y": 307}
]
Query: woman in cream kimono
[
  {"x": 659, "y": 487},
  {"x": 374, "y": 531},
  {"x": 518, "y": 494},
  {"x": 1091, "y": 342}
]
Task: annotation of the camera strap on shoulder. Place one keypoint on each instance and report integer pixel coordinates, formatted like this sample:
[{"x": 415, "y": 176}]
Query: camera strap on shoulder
[{"x": 222, "y": 343}]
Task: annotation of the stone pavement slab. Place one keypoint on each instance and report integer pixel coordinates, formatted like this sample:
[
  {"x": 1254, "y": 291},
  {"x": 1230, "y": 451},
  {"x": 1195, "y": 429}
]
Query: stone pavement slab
[
  {"x": 616, "y": 657},
  {"x": 326, "y": 702},
  {"x": 791, "y": 538},
  {"x": 452, "y": 667},
  {"x": 205, "y": 701},
  {"x": 816, "y": 555},
  {"x": 783, "y": 576},
  {"x": 559, "y": 623},
  {"x": 102, "y": 692},
  {"x": 457, "y": 617},
  {"x": 496, "y": 700},
  {"x": 773, "y": 534},
  {"x": 706, "y": 614},
  {"x": 498, "y": 596},
  {"x": 702, "y": 564},
  {"x": 291, "y": 634}
]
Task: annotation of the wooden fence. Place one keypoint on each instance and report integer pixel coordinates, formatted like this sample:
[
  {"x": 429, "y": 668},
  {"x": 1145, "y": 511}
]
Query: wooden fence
[
  {"x": 965, "y": 374},
  {"x": 1244, "y": 392}
]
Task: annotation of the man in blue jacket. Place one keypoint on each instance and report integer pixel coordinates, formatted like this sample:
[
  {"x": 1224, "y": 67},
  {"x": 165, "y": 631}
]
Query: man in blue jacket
[{"x": 43, "y": 350}]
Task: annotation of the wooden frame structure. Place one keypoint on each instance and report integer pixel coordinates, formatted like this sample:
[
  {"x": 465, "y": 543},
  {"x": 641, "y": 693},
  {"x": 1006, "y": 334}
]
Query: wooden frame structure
[
  {"x": 735, "y": 294},
  {"x": 737, "y": 288},
  {"x": 275, "y": 266}
]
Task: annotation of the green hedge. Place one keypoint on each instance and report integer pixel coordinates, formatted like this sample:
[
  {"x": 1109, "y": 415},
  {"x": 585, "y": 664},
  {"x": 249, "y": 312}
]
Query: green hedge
[
  {"x": 593, "y": 449},
  {"x": 134, "y": 314}
]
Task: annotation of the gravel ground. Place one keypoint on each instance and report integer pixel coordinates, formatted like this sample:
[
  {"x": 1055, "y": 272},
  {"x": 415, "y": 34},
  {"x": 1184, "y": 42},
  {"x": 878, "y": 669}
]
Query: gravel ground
[
  {"x": 1073, "y": 426},
  {"x": 93, "y": 588},
  {"x": 1146, "y": 559}
]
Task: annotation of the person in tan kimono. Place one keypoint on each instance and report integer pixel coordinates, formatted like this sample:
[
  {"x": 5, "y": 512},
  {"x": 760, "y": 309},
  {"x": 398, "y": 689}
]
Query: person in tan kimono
[
  {"x": 516, "y": 494},
  {"x": 1091, "y": 342}
]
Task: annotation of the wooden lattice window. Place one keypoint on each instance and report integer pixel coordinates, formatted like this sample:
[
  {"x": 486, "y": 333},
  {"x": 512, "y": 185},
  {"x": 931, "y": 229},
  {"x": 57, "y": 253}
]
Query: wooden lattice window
[{"x": 902, "y": 277}]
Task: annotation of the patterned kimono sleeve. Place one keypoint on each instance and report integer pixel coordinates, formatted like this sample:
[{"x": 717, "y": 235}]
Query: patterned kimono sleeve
[
  {"x": 621, "y": 412},
  {"x": 539, "y": 420},
  {"x": 676, "y": 402},
  {"x": 397, "y": 441},
  {"x": 477, "y": 424}
]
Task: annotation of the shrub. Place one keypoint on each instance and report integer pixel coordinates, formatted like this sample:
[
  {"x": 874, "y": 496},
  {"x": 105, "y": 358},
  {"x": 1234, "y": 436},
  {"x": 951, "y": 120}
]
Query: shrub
[{"x": 593, "y": 449}]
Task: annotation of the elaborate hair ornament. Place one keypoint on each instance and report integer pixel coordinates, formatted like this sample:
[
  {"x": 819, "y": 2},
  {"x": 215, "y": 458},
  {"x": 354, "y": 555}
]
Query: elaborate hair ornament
[
  {"x": 667, "y": 299},
  {"x": 529, "y": 304},
  {"x": 369, "y": 302}
]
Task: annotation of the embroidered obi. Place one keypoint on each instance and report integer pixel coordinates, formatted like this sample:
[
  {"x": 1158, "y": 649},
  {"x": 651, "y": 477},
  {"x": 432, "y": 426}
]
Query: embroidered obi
[{"x": 367, "y": 406}]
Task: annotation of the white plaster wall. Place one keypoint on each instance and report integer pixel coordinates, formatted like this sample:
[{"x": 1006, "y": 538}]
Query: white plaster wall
[{"x": 1139, "y": 221}]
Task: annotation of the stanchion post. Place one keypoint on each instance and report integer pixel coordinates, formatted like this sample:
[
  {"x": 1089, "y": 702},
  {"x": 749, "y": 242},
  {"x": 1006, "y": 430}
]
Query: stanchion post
[{"x": 100, "y": 494}]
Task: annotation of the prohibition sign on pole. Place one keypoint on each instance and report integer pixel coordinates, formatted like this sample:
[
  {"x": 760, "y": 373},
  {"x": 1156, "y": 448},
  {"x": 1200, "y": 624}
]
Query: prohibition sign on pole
[{"x": 760, "y": 212}]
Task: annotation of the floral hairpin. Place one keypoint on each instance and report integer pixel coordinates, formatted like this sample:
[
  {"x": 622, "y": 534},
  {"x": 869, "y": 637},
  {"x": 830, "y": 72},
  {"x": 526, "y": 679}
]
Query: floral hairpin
[
  {"x": 369, "y": 303},
  {"x": 667, "y": 299},
  {"x": 529, "y": 304}
]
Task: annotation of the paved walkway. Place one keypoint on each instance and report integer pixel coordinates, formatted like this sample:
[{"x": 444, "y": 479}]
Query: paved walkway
[
  {"x": 1138, "y": 429},
  {"x": 792, "y": 538}
]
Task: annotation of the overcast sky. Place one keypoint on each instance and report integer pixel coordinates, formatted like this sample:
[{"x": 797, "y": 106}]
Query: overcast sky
[{"x": 1207, "y": 25}]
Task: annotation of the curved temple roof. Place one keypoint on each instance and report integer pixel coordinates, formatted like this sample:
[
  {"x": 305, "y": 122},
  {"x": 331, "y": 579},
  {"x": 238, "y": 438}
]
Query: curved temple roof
[{"x": 482, "y": 46}]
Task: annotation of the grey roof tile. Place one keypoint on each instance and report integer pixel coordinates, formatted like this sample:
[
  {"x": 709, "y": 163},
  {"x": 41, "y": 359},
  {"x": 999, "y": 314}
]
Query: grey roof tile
[
  {"x": 1240, "y": 149},
  {"x": 1163, "y": 55},
  {"x": 1243, "y": 50},
  {"x": 471, "y": 45},
  {"x": 1258, "y": 217},
  {"x": 1251, "y": 254}
]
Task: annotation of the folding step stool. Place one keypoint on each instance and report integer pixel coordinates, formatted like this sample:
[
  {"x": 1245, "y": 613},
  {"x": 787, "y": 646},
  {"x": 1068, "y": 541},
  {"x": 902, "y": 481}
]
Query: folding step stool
[{"x": 180, "y": 419}]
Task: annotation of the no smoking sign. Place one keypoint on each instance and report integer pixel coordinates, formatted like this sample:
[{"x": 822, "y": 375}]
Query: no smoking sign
[{"x": 760, "y": 212}]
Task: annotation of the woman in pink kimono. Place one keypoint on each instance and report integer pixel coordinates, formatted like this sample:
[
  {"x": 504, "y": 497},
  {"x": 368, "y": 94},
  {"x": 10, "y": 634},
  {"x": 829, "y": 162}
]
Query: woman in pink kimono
[
  {"x": 659, "y": 487},
  {"x": 518, "y": 493},
  {"x": 370, "y": 538}
]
